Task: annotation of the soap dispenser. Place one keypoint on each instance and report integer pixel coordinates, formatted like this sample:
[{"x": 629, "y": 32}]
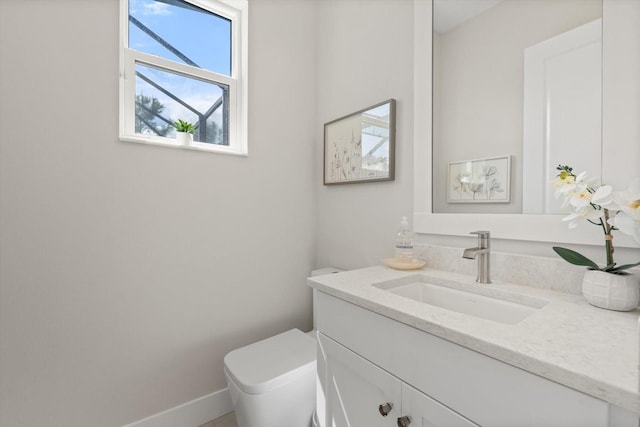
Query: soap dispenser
[{"x": 404, "y": 242}]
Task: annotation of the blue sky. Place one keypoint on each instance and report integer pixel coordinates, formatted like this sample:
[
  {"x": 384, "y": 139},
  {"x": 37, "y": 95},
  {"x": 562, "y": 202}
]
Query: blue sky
[{"x": 202, "y": 36}]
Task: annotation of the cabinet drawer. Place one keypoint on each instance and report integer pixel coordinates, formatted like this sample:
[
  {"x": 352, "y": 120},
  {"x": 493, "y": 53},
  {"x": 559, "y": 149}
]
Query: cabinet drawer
[{"x": 485, "y": 390}]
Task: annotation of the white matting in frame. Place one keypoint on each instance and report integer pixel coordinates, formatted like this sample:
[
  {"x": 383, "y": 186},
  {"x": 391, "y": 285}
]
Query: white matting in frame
[{"x": 479, "y": 181}]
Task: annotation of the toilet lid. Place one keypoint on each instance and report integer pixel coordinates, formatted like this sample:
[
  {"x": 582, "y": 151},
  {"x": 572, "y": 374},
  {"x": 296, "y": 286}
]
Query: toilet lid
[{"x": 273, "y": 362}]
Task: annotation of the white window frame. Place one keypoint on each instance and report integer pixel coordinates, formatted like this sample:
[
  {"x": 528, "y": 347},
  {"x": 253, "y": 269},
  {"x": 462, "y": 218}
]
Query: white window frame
[{"x": 237, "y": 12}]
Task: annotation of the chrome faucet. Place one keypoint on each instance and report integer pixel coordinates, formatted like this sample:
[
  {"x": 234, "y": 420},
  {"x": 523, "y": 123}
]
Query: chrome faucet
[{"x": 482, "y": 252}]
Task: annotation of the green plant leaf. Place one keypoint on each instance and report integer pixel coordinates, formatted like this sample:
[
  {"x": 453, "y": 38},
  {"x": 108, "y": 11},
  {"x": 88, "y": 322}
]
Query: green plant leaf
[
  {"x": 575, "y": 258},
  {"x": 623, "y": 267},
  {"x": 184, "y": 126}
]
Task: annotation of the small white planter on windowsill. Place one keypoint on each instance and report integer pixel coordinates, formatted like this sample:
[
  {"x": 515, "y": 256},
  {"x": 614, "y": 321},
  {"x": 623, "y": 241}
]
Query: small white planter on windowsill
[
  {"x": 184, "y": 138},
  {"x": 184, "y": 132}
]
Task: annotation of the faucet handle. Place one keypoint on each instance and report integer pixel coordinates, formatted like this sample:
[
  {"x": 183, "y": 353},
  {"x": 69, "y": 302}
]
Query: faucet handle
[{"x": 483, "y": 238}]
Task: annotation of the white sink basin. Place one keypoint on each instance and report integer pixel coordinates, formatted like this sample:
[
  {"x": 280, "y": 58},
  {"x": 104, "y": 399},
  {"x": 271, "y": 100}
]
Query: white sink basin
[{"x": 464, "y": 301}]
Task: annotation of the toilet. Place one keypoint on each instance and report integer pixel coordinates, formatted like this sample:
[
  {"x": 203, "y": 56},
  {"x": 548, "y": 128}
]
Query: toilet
[{"x": 273, "y": 382}]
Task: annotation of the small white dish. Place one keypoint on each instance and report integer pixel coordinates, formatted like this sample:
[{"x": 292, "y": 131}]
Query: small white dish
[{"x": 403, "y": 264}]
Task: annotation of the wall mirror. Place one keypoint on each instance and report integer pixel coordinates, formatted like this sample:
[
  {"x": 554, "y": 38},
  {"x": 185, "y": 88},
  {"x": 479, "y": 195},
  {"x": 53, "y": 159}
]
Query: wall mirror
[
  {"x": 477, "y": 101},
  {"x": 517, "y": 78}
]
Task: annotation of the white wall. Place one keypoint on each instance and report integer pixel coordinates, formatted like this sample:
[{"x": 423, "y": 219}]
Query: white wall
[
  {"x": 127, "y": 271},
  {"x": 365, "y": 55}
]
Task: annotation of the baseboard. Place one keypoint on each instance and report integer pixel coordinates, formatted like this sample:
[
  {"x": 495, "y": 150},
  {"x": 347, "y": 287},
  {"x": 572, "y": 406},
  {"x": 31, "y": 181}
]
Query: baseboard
[{"x": 191, "y": 414}]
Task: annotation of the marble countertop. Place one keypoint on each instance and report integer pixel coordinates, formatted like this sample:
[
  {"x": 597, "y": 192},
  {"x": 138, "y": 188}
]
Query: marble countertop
[{"x": 567, "y": 341}]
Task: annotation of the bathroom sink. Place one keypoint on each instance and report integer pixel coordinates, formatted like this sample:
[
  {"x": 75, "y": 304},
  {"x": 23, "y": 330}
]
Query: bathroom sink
[{"x": 452, "y": 296}]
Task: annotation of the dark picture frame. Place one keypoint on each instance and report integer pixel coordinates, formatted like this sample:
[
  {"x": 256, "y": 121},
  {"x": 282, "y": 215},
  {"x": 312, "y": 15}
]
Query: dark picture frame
[{"x": 360, "y": 147}]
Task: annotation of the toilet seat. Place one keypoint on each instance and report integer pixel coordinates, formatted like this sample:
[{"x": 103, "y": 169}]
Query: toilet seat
[{"x": 271, "y": 363}]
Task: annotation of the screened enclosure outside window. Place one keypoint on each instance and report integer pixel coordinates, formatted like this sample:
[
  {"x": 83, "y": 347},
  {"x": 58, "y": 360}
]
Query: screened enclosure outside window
[
  {"x": 162, "y": 97},
  {"x": 184, "y": 60}
]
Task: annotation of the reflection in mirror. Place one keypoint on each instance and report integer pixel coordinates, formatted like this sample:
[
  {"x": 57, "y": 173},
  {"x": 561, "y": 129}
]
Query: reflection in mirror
[
  {"x": 360, "y": 147},
  {"x": 517, "y": 78},
  {"x": 562, "y": 111}
]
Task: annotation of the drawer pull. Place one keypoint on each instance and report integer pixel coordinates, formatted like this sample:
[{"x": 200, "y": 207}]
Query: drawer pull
[
  {"x": 385, "y": 408},
  {"x": 404, "y": 421}
]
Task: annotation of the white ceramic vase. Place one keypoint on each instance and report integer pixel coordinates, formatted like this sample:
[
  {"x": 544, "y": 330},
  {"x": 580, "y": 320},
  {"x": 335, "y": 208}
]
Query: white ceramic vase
[
  {"x": 184, "y": 138},
  {"x": 620, "y": 292}
]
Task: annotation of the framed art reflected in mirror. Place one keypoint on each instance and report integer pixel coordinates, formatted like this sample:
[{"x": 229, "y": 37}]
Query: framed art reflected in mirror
[{"x": 479, "y": 181}]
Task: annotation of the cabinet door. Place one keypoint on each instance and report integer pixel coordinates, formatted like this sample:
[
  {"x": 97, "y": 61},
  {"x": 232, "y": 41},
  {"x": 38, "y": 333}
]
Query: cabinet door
[
  {"x": 352, "y": 389},
  {"x": 426, "y": 412}
]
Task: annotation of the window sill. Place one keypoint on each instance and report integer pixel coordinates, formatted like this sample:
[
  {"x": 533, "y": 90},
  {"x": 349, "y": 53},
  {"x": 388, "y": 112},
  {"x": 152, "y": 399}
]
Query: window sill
[{"x": 195, "y": 146}]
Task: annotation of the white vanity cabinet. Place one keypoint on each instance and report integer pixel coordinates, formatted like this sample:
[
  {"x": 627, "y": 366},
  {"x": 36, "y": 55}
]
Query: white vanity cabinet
[
  {"x": 366, "y": 360},
  {"x": 358, "y": 393}
]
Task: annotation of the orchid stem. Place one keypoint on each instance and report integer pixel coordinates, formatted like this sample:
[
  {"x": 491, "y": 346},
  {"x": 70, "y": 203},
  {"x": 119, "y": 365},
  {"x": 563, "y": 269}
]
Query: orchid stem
[{"x": 608, "y": 237}]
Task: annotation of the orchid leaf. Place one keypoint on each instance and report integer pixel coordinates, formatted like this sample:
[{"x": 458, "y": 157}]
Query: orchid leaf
[
  {"x": 575, "y": 258},
  {"x": 623, "y": 267}
]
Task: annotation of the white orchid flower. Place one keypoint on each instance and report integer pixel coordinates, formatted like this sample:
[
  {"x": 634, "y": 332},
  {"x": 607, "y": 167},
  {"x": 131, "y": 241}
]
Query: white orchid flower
[
  {"x": 628, "y": 201},
  {"x": 620, "y": 210},
  {"x": 580, "y": 198},
  {"x": 566, "y": 184},
  {"x": 575, "y": 196},
  {"x": 558, "y": 183},
  {"x": 586, "y": 213},
  {"x": 627, "y": 225},
  {"x": 603, "y": 196}
]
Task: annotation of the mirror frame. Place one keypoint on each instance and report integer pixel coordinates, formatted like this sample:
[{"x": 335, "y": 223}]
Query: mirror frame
[{"x": 528, "y": 227}]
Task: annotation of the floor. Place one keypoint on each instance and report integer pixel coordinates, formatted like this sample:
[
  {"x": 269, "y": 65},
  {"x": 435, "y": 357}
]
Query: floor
[{"x": 228, "y": 420}]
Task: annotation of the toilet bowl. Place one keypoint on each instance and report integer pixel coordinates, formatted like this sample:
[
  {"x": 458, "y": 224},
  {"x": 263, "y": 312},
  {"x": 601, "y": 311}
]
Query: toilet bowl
[{"x": 273, "y": 382}]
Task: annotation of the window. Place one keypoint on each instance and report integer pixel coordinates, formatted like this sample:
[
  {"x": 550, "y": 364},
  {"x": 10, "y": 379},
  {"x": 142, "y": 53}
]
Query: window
[{"x": 187, "y": 60}]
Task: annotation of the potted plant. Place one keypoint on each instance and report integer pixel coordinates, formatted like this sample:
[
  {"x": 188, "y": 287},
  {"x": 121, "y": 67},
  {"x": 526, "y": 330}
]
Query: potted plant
[
  {"x": 611, "y": 286},
  {"x": 184, "y": 132}
]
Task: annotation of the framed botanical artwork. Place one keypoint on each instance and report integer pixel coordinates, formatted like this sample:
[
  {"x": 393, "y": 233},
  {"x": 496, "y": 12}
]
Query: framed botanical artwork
[
  {"x": 360, "y": 147},
  {"x": 479, "y": 181}
]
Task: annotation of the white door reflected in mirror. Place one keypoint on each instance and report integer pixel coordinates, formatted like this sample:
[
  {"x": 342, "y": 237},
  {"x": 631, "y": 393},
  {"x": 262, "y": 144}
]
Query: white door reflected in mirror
[{"x": 562, "y": 112}]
